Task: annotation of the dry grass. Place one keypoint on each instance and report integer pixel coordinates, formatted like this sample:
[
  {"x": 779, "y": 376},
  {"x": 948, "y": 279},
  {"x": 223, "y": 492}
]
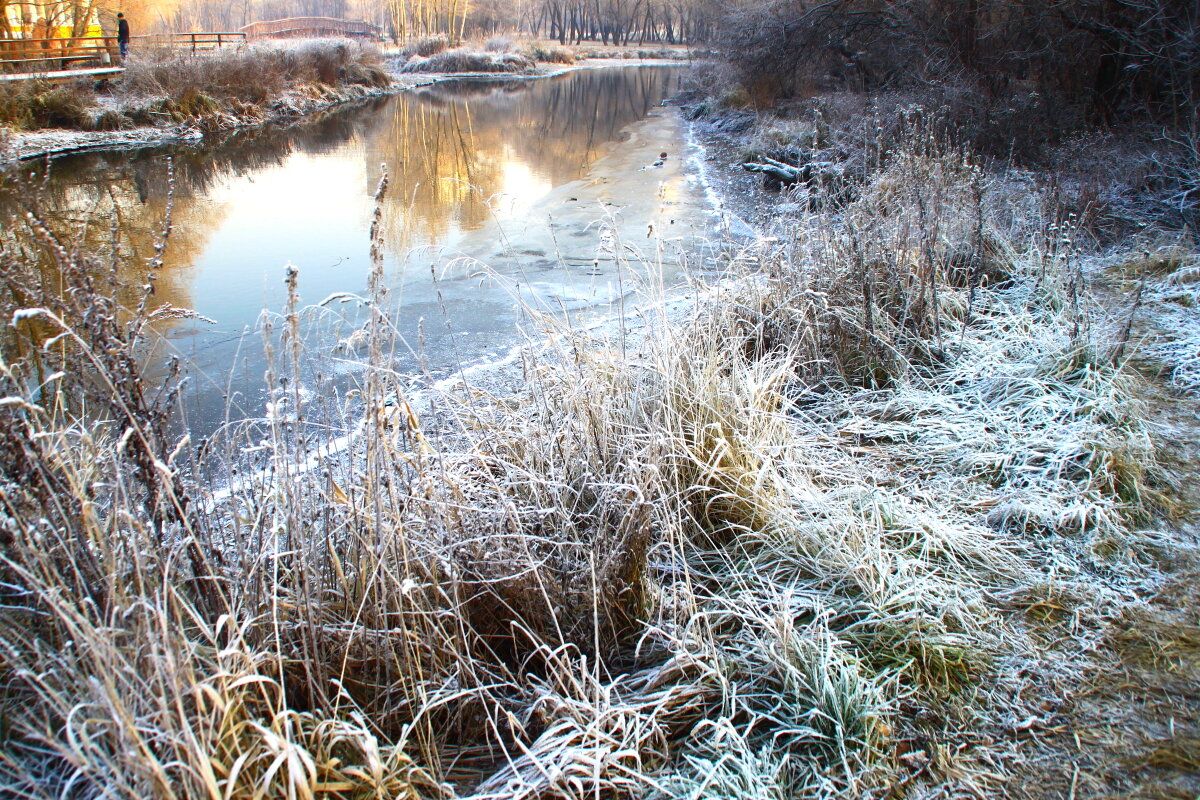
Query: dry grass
[
  {"x": 465, "y": 61},
  {"x": 1173, "y": 280},
  {"x": 253, "y": 75},
  {"x": 425, "y": 47},
  {"x": 166, "y": 86},
  {"x": 549, "y": 53},
  {"x": 29, "y": 105},
  {"x": 499, "y": 44},
  {"x": 728, "y": 559}
]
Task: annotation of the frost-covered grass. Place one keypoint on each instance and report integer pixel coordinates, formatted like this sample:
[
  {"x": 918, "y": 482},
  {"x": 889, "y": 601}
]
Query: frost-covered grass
[
  {"x": 463, "y": 60},
  {"x": 253, "y": 73},
  {"x": 1174, "y": 290},
  {"x": 770, "y": 550}
]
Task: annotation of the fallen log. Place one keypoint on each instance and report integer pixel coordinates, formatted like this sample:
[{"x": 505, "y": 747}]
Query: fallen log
[{"x": 777, "y": 170}]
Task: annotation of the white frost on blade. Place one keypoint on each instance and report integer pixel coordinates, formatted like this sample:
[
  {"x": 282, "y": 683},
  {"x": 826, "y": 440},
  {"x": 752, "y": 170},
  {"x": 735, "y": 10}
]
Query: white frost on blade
[
  {"x": 22, "y": 403},
  {"x": 342, "y": 297},
  {"x": 1181, "y": 351},
  {"x": 1177, "y": 300},
  {"x": 22, "y": 314}
]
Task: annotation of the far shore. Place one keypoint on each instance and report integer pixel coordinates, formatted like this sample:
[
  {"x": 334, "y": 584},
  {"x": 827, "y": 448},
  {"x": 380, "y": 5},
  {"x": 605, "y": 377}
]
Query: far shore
[{"x": 53, "y": 142}]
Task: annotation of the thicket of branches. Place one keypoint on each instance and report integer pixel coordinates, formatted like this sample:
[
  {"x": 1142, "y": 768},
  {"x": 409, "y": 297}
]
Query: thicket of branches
[
  {"x": 1101, "y": 58},
  {"x": 625, "y": 21},
  {"x": 569, "y": 21}
]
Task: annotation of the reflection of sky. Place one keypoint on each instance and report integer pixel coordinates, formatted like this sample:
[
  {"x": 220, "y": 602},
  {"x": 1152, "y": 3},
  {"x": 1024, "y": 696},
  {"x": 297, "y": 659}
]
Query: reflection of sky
[
  {"x": 312, "y": 211},
  {"x": 308, "y": 211},
  {"x": 520, "y": 188}
]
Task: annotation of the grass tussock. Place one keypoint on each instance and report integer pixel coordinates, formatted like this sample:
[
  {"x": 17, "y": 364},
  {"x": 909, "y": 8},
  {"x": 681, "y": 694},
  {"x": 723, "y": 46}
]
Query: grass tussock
[
  {"x": 724, "y": 560},
  {"x": 254, "y": 75},
  {"x": 669, "y": 53},
  {"x": 29, "y": 105},
  {"x": 549, "y": 54},
  {"x": 462, "y": 60},
  {"x": 426, "y": 47}
]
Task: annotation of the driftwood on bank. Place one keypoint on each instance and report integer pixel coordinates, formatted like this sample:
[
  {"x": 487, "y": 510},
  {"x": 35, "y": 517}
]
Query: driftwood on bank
[
  {"x": 825, "y": 181},
  {"x": 777, "y": 170}
]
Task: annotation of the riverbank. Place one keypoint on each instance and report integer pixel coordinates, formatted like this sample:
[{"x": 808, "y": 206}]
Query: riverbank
[
  {"x": 1075, "y": 695},
  {"x": 165, "y": 97},
  {"x": 292, "y": 106}
]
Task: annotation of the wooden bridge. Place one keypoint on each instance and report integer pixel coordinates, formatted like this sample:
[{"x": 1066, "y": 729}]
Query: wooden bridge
[{"x": 302, "y": 27}]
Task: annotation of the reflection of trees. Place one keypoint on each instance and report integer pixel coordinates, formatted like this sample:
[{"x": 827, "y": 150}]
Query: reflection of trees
[
  {"x": 89, "y": 197},
  {"x": 449, "y": 147},
  {"x": 114, "y": 206}
]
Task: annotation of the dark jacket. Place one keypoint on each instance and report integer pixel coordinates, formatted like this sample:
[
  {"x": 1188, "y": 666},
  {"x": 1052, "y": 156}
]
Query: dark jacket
[{"x": 122, "y": 30}]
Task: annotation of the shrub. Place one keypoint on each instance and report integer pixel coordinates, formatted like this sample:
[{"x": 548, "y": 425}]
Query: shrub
[
  {"x": 426, "y": 47},
  {"x": 1124, "y": 56},
  {"x": 499, "y": 44}
]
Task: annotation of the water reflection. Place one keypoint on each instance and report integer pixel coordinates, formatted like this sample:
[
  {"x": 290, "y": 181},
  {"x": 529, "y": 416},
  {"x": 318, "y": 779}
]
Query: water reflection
[
  {"x": 463, "y": 157},
  {"x": 472, "y": 151},
  {"x": 120, "y": 197}
]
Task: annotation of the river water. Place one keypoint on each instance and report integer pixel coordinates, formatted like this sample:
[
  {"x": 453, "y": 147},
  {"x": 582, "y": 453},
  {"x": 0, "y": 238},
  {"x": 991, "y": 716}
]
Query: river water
[{"x": 506, "y": 198}]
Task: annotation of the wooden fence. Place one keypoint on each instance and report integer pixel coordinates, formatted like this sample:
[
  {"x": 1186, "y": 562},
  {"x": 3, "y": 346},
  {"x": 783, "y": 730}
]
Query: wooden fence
[
  {"x": 44, "y": 55},
  {"x": 297, "y": 27},
  {"x": 66, "y": 57},
  {"x": 84, "y": 56},
  {"x": 193, "y": 42}
]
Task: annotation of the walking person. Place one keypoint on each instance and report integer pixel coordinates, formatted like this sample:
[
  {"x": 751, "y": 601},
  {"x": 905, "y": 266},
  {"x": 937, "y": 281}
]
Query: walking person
[{"x": 123, "y": 34}]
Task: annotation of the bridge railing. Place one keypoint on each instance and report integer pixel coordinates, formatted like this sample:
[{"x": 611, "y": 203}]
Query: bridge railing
[
  {"x": 194, "y": 42},
  {"x": 41, "y": 55},
  {"x": 63, "y": 53},
  {"x": 309, "y": 26}
]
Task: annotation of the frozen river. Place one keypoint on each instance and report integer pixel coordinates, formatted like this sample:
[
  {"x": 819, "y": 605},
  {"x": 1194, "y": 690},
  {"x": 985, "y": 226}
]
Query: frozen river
[{"x": 559, "y": 195}]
